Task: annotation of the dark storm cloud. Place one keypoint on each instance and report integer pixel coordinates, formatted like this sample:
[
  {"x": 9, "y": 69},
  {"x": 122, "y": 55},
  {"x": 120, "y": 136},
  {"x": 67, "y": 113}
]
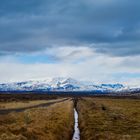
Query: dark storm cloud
[{"x": 113, "y": 26}]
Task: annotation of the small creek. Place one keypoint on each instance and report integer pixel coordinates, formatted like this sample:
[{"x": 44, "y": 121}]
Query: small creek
[{"x": 76, "y": 135}]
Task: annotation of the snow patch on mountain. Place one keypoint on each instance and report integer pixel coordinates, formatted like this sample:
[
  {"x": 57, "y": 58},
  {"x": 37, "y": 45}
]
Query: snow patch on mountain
[{"x": 60, "y": 84}]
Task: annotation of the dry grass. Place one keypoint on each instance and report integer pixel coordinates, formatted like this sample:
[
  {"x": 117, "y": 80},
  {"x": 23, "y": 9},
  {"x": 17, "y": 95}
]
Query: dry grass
[
  {"x": 109, "y": 119},
  {"x": 23, "y": 104},
  {"x": 45, "y": 123}
]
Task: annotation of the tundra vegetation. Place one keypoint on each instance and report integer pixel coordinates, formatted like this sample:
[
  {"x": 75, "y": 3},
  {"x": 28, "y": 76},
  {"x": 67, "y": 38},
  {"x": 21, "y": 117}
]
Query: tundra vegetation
[
  {"x": 44, "y": 117},
  {"x": 25, "y": 104},
  {"x": 109, "y": 119},
  {"x": 43, "y": 123}
]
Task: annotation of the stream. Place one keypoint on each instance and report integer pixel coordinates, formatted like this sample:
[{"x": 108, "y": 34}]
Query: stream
[{"x": 76, "y": 135}]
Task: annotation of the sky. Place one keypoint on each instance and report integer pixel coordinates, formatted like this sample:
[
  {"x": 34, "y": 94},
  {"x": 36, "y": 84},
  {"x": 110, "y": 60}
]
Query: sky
[{"x": 91, "y": 40}]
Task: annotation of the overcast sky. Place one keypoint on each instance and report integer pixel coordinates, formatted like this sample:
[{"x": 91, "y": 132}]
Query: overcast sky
[{"x": 92, "y": 40}]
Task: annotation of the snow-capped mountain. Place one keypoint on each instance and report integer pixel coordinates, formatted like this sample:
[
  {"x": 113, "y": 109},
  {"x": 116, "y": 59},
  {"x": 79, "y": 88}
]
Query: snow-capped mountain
[{"x": 60, "y": 84}]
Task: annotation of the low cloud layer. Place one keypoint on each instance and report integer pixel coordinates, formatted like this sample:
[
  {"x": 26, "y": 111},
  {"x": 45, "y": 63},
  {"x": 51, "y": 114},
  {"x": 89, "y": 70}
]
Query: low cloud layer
[{"x": 96, "y": 68}]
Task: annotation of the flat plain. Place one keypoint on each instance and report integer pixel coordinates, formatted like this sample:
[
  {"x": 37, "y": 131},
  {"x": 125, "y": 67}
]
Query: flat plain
[
  {"x": 53, "y": 122},
  {"x": 109, "y": 119},
  {"x": 43, "y": 117}
]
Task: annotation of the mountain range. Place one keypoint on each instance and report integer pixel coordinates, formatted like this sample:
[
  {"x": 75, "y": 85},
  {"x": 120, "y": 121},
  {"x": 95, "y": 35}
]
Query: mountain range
[{"x": 62, "y": 84}]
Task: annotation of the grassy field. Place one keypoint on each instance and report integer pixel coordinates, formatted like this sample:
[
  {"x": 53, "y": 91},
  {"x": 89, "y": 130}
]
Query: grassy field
[
  {"x": 44, "y": 123},
  {"x": 23, "y": 104},
  {"x": 100, "y": 118},
  {"x": 109, "y": 119}
]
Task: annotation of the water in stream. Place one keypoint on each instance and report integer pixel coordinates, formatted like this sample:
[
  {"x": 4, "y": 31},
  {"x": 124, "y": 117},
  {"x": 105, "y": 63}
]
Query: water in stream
[{"x": 76, "y": 135}]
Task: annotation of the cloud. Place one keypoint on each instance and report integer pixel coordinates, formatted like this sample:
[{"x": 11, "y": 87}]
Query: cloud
[
  {"x": 122, "y": 49},
  {"x": 96, "y": 68},
  {"x": 85, "y": 39},
  {"x": 71, "y": 54},
  {"x": 30, "y": 26}
]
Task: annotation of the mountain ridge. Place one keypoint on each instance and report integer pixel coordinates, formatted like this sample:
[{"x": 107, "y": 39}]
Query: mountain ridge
[{"x": 60, "y": 84}]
